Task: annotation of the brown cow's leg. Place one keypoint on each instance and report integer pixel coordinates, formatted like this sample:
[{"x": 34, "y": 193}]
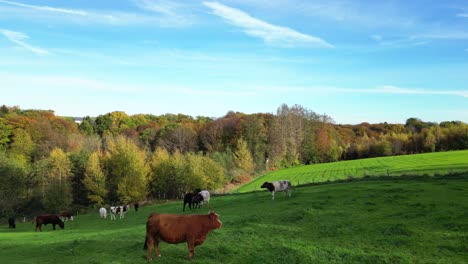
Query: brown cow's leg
[
  {"x": 191, "y": 248},
  {"x": 149, "y": 246},
  {"x": 53, "y": 226},
  {"x": 156, "y": 247}
]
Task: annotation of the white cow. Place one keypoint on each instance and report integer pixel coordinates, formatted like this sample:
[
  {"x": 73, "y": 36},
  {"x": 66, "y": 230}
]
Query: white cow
[
  {"x": 278, "y": 186},
  {"x": 103, "y": 212},
  {"x": 206, "y": 197}
]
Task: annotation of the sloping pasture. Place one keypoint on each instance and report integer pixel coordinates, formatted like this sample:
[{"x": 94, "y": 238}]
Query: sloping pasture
[
  {"x": 439, "y": 163},
  {"x": 401, "y": 220}
]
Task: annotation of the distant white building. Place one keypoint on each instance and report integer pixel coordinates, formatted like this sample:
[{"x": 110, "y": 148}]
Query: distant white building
[{"x": 78, "y": 120}]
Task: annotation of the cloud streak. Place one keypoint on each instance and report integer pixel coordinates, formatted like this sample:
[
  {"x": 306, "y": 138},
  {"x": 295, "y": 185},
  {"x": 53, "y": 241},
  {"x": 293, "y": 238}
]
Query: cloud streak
[
  {"x": 271, "y": 34},
  {"x": 164, "y": 18},
  {"x": 18, "y": 38},
  {"x": 390, "y": 89},
  {"x": 47, "y": 8}
]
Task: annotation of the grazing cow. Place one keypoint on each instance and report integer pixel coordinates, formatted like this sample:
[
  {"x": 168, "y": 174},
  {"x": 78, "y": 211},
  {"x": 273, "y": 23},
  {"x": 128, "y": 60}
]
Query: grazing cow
[
  {"x": 206, "y": 197},
  {"x": 64, "y": 215},
  {"x": 47, "y": 219},
  {"x": 175, "y": 229},
  {"x": 121, "y": 210},
  {"x": 11, "y": 222},
  {"x": 197, "y": 200},
  {"x": 136, "y": 206},
  {"x": 103, "y": 212},
  {"x": 188, "y": 198},
  {"x": 278, "y": 186}
]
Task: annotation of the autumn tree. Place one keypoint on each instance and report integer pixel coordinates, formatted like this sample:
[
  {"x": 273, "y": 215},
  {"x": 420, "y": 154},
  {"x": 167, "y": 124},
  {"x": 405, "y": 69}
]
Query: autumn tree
[
  {"x": 22, "y": 144},
  {"x": 94, "y": 179},
  {"x": 5, "y": 132},
  {"x": 13, "y": 184},
  {"x": 58, "y": 195},
  {"x": 127, "y": 170},
  {"x": 244, "y": 160}
]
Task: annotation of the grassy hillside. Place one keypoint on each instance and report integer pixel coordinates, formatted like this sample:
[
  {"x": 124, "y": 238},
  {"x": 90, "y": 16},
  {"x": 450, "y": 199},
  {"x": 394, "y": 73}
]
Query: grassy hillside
[
  {"x": 419, "y": 164},
  {"x": 381, "y": 221}
]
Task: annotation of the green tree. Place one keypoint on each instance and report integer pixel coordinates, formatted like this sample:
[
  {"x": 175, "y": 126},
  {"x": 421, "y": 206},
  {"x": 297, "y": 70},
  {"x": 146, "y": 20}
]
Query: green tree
[
  {"x": 13, "y": 184},
  {"x": 127, "y": 170},
  {"x": 95, "y": 180},
  {"x": 58, "y": 194},
  {"x": 244, "y": 160},
  {"x": 22, "y": 143},
  {"x": 5, "y": 132},
  {"x": 86, "y": 126}
]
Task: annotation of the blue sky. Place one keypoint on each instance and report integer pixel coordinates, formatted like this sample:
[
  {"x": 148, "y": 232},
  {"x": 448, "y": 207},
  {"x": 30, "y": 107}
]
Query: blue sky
[{"x": 356, "y": 61}]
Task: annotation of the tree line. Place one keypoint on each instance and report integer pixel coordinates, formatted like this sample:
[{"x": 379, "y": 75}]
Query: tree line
[{"x": 52, "y": 163}]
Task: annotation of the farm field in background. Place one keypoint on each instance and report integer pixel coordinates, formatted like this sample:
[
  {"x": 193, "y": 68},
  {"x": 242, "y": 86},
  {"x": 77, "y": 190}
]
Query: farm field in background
[
  {"x": 439, "y": 163},
  {"x": 404, "y": 220}
]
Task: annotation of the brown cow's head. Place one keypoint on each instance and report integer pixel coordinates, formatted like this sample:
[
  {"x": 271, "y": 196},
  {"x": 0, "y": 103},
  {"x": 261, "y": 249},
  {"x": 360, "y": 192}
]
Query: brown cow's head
[{"x": 214, "y": 217}]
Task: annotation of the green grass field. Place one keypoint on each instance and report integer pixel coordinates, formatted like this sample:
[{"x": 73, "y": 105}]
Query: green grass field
[
  {"x": 404, "y": 220},
  {"x": 419, "y": 164}
]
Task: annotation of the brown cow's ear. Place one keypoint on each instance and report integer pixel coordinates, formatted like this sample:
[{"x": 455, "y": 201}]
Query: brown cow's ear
[{"x": 213, "y": 215}]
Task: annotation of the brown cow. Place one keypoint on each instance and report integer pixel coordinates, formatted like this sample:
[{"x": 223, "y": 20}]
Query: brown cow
[
  {"x": 47, "y": 219},
  {"x": 175, "y": 229},
  {"x": 64, "y": 215}
]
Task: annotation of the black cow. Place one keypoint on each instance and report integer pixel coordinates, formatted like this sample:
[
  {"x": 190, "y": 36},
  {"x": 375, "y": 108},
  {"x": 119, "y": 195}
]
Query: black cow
[
  {"x": 188, "y": 200},
  {"x": 197, "y": 200},
  {"x": 11, "y": 222},
  {"x": 136, "y": 205}
]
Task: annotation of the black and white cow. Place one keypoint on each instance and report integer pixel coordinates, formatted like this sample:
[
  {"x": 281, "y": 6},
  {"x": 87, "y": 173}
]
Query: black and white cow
[
  {"x": 278, "y": 186},
  {"x": 206, "y": 197},
  {"x": 121, "y": 210}
]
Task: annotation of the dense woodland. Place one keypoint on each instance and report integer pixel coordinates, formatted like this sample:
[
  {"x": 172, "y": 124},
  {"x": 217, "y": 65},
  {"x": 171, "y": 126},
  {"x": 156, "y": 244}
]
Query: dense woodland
[{"x": 52, "y": 163}]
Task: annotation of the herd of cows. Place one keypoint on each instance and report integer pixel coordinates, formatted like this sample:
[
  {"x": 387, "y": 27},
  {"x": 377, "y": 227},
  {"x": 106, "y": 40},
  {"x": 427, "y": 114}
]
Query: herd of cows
[{"x": 170, "y": 228}]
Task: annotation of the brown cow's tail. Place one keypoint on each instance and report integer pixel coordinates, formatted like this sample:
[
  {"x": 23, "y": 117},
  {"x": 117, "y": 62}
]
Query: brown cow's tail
[
  {"x": 145, "y": 247},
  {"x": 146, "y": 237}
]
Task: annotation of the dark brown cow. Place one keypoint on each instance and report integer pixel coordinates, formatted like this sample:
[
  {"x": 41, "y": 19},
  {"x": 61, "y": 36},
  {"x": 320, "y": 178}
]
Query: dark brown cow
[
  {"x": 175, "y": 229},
  {"x": 188, "y": 197},
  {"x": 48, "y": 219},
  {"x": 64, "y": 215},
  {"x": 11, "y": 222}
]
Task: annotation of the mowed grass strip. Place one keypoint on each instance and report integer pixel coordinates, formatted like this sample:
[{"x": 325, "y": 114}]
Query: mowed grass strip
[
  {"x": 440, "y": 163},
  {"x": 382, "y": 221}
]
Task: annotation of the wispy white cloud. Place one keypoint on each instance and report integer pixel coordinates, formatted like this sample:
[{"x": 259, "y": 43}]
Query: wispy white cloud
[
  {"x": 442, "y": 35},
  {"x": 271, "y": 34},
  {"x": 390, "y": 89},
  {"x": 47, "y": 8},
  {"x": 399, "y": 42},
  {"x": 164, "y": 18},
  {"x": 376, "y": 37},
  {"x": 60, "y": 83},
  {"x": 368, "y": 14},
  {"x": 385, "y": 89},
  {"x": 160, "y": 6},
  {"x": 462, "y": 15},
  {"x": 175, "y": 12},
  {"x": 18, "y": 38}
]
